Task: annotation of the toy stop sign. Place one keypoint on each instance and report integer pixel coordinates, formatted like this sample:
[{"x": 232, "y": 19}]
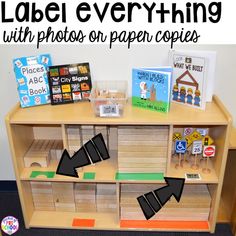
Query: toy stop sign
[{"x": 209, "y": 151}]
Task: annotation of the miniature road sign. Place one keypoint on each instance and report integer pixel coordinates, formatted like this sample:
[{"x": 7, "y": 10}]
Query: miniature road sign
[
  {"x": 188, "y": 131},
  {"x": 177, "y": 136},
  {"x": 202, "y": 131},
  {"x": 209, "y": 151},
  {"x": 197, "y": 147},
  {"x": 189, "y": 140},
  {"x": 196, "y": 136},
  {"x": 180, "y": 146},
  {"x": 207, "y": 140}
]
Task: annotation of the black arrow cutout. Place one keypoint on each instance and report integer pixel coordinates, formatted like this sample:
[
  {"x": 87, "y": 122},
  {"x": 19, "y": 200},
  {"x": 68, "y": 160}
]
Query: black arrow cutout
[
  {"x": 153, "y": 201},
  {"x": 93, "y": 151}
]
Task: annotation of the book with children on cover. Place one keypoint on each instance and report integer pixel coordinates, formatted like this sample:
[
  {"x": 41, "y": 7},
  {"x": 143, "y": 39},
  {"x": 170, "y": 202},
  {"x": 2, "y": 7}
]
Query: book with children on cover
[
  {"x": 193, "y": 77},
  {"x": 32, "y": 80},
  {"x": 189, "y": 80},
  {"x": 151, "y": 88}
]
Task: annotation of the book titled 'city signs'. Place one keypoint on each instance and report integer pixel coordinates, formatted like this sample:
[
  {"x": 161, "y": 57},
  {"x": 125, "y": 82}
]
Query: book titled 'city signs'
[
  {"x": 32, "y": 81},
  {"x": 69, "y": 83},
  {"x": 151, "y": 88}
]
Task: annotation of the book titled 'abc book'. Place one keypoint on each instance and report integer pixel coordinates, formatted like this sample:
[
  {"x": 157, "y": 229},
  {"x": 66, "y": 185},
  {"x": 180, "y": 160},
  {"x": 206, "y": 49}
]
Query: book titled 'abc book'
[
  {"x": 32, "y": 81},
  {"x": 69, "y": 83},
  {"x": 151, "y": 88}
]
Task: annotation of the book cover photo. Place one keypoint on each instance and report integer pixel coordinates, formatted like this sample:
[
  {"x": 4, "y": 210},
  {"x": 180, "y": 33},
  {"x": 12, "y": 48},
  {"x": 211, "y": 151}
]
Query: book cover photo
[
  {"x": 32, "y": 80},
  {"x": 69, "y": 83},
  {"x": 193, "y": 77},
  {"x": 151, "y": 88}
]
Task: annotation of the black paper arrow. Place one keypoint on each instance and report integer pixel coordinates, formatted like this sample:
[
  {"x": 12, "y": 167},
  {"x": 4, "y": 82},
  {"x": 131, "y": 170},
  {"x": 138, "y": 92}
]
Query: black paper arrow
[
  {"x": 93, "y": 151},
  {"x": 153, "y": 201}
]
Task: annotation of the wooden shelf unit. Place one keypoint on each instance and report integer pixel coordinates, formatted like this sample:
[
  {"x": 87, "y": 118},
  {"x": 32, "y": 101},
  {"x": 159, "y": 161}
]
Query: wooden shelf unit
[
  {"x": 48, "y": 122},
  {"x": 227, "y": 212}
]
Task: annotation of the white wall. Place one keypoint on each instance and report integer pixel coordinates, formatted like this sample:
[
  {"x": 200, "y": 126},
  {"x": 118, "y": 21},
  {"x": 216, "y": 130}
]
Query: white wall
[{"x": 105, "y": 64}]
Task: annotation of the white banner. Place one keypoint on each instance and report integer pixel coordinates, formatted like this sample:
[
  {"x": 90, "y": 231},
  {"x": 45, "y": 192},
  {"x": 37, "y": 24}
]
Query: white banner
[{"x": 114, "y": 22}]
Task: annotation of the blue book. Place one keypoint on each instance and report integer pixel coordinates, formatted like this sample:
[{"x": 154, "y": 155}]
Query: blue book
[
  {"x": 32, "y": 80},
  {"x": 151, "y": 88}
]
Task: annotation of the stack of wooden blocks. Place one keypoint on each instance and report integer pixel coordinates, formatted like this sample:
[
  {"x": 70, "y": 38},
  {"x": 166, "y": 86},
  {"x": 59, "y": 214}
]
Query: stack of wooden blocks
[
  {"x": 56, "y": 150},
  {"x": 42, "y": 196},
  {"x": 79, "y": 135},
  {"x": 106, "y": 198},
  {"x": 104, "y": 131},
  {"x": 74, "y": 138},
  {"x": 194, "y": 203},
  {"x": 63, "y": 196},
  {"x": 129, "y": 206},
  {"x": 142, "y": 149},
  {"x": 41, "y": 151},
  {"x": 88, "y": 132},
  {"x": 85, "y": 197}
]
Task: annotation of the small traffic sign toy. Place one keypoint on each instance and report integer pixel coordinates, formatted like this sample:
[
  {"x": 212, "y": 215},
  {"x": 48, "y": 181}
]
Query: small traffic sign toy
[{"x": 180, "y": 148}]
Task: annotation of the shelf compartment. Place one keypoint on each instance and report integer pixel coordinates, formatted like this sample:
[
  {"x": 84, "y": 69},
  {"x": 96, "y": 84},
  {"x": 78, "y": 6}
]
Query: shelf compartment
[
  {"x": 56, "y": 219},
  {"x": 194, "y": 205},
  {"x": 92, "y": 173},
  {"x": 194, "y": 164}
]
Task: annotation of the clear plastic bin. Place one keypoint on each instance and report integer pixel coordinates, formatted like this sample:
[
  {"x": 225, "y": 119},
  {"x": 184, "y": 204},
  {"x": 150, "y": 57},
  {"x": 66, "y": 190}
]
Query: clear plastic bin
[{"x": 108, "y": 98}]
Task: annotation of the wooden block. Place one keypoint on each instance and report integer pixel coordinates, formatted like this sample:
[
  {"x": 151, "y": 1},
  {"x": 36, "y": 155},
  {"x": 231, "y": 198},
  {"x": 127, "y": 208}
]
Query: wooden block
[
  {"x": 144, "y": 143},
  {"x": 138, "y": 148},
  {"x": 87, "y": 186},
  {"x": 68, "y": 207},
  {"x": 148, "y": 154},
  {"x": 147, "y": 137},
  {"x": 39, "y": 153},
  {"x": 131, "y": 160},
  {"x": 47, "y": 208},
  {"x": 86, "y": 208},
  {"x": 47, "y": 132},
  {"x": 74, "y": 142},
  {"x": 40, "y": 197},
  {"x": 142, "y": 130}
]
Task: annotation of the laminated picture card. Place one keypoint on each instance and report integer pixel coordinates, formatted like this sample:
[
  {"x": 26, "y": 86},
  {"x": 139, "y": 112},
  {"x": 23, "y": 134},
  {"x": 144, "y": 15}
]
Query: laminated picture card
[{"x": 32, "y": 81}]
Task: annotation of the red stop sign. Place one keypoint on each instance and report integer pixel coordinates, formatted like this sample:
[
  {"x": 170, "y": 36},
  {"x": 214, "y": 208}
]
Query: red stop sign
[{"x": 209, "y": 151}]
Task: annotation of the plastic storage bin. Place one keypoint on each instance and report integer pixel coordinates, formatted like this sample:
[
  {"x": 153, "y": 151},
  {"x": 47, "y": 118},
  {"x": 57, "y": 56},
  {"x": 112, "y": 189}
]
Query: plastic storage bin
[{"x": 108, "y": 98}]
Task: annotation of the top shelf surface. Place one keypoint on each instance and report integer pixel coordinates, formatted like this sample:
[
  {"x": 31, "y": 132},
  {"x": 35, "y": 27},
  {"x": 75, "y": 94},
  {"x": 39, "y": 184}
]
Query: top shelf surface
[{"x": 82, "y": 113}]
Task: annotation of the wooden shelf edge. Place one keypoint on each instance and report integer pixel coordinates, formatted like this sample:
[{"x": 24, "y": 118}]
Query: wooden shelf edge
[
  {"x": 232, "y": 140},
  {"x": 98, "y": 221}
]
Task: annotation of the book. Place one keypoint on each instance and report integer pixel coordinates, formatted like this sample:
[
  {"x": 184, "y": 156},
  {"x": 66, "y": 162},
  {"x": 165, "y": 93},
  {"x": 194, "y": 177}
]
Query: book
[
  {"x": 194, "y": 72},
  {"x": 69, "y": 83},
  {"x": 32, "y": 80},
  {"x": 151, "y": 88}
]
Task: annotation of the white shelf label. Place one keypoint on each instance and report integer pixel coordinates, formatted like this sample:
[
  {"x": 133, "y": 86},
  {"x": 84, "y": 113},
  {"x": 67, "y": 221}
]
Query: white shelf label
[{"x": 109, "y": 110}]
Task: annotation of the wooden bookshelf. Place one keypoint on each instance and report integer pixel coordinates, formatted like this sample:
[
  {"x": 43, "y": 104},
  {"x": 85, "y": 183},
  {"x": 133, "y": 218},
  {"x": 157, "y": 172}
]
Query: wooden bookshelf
[
  {"x": 27, "y": 127},
  {"x": 227, "y": 209}
]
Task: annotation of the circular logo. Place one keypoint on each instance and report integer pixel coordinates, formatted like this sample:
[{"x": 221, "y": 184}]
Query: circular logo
[{"x": 10, "y": 225}]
